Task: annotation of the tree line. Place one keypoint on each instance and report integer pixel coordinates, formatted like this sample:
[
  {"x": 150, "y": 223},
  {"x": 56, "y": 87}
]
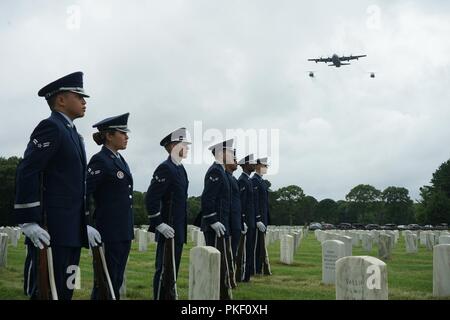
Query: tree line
[{"x": 291, "y": 206}]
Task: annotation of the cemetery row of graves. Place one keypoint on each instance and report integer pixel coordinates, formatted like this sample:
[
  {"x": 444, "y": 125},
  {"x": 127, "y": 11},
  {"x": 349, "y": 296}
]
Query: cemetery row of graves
[{"x": 331, "y": 264}]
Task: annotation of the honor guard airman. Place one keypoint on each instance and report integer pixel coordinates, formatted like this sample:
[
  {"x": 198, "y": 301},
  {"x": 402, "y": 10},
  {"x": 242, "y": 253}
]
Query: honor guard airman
[
  {"x": 50, "y": 190},
  {"x": 236, "y": 223},
  {"x": 166, "y": 203},
  {"x": 216, "y": 209},
  {"x": 261, "y": 186},
  {"x": 110, "y": 187},
  {"x": 248, "y": 214}
]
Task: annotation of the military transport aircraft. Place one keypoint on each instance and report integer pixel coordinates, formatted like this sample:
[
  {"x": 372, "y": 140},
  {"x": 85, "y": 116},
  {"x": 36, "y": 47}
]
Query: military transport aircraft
[{"x": 336, "y": 61}]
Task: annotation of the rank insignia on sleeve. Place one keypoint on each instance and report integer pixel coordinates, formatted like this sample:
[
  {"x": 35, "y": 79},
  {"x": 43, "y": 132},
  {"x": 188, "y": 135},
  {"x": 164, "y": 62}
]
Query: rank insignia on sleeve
[
  {"x": 160, "y": 179},
  {"x": 41, "y": 145}
]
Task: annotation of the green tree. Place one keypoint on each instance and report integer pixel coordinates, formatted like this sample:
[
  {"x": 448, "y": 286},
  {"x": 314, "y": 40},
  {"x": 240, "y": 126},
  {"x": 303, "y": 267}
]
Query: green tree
[
  {"x": 342, "y": 211},
  {"x": 419, "y": 213},
  {"x": 193, "y": 208},
  {"x": 364, "y": 204},
  {"x": 398, "y": 206},
  {"x": 434, "y": 206},
  {"x": 441, "y": 178},
  {"x": 139, "y": 211},
  {"x": 288, "y": 199},
  {"x": 7, "y": 189},
  {"x": 326, "y": 211},
  {"x": 307, "y": 209}
]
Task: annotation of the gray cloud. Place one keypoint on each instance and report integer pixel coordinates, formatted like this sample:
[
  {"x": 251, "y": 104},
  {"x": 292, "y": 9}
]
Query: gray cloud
[{"x": 239, "y": 64}]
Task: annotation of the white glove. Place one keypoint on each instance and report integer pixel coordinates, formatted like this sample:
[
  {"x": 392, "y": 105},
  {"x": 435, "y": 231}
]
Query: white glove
[
  {"x": 166, "y": 230},
  {"x": 245, "y": 229},
  {"x": 261, "y": 226},
  {"x": 94, "y": 236},
  {"x": 36, "y": 234},
  {"x": 218, "y": 228}
]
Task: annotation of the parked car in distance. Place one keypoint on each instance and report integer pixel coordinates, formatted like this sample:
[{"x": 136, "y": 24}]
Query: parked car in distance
[
  {"x": 389, "y": 226},
  {"x": 402, "y": 227},
  {"x": 372, "y": 226},
  {"x": 413, "y": 226},
  {"x": 315, "y": 226},
  {"x": 428, "y": 227},
  {"x": 441, "y": 226},
  {"x": 344, "y": 226},
  {"x": 359, "y": 226},
  {"x": 328, "y": 226}
]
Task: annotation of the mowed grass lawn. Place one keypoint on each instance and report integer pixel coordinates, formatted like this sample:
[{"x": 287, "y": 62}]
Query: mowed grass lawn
[{"x": 410, "y": 276}]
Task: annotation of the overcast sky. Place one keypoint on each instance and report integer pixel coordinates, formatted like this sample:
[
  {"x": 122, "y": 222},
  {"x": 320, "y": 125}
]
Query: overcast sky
[{"x": 243, "y": 65}]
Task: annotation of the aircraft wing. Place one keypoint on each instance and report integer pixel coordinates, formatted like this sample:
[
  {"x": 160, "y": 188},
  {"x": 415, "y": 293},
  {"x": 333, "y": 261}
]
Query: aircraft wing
[
  {"x": 321, "y": 60},
  {"x": 348, "y": 58}
]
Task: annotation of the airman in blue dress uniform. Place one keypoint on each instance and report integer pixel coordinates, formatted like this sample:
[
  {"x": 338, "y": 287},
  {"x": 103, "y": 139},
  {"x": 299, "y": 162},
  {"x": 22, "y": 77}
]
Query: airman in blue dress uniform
[
  {"x": 236, "y": 226},
  {"x": 166, "y": 199},
  {"x": 51, "y": 179},
  {"x": 236, "y": 222},
  {"x": 262, "y": 210},
  {"x": 110, "y": 186},
  {"x": 216, "y": 207},
  {"x": 248, "y": 212}
]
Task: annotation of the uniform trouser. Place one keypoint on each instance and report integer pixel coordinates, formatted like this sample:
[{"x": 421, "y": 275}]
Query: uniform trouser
[
  {"x": 116, "y": 256},
  {"x": 65, "y": 263},
  {"x": 258, "y": 252},
  {"x": 261, "y": 255},
  {"x": 235, "y": 238},
  {"x": 159, "y": 262},
  {"x": 250, "y": 253}
]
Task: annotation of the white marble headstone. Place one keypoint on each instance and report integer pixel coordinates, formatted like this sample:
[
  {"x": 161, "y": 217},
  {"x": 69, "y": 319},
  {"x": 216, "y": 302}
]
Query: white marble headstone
[
  {"x": 444, "y": 239},
  {"x": 150, "y": 237},
  {"x": 332, "y": 250},
  {"x": 143, "y": 240},
  {"x": 423, "y": 238},
  {"x": 430, "y": 240},
  {"x": 3, "y": 249},
  {"x": 441, "y": 270},
  {"x": 411, "y": 243},
  {"x": 384, "y": 246},
  {"x": 204, "y": 273},
  {"x": 287, "y": 249},
  {"x": 347, "y": 242},
  {"x": 367, "y": 242},
  {"x": 361, "y": 278},
  {"x": 199, "y": 238}
]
